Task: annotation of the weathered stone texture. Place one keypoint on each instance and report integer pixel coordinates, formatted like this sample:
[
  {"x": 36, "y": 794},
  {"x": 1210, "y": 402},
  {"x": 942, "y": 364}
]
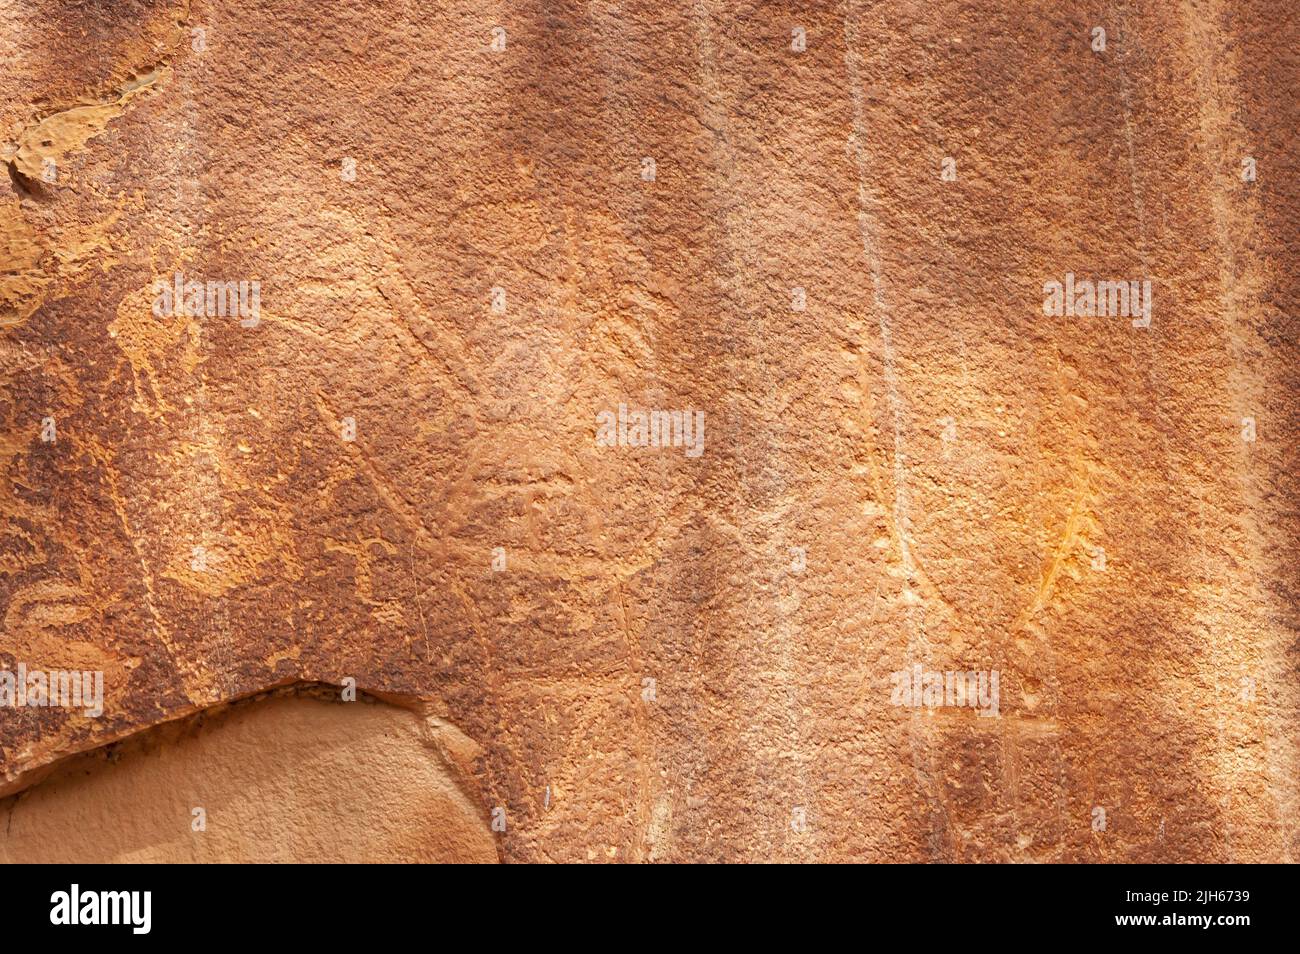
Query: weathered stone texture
[{"x": 950, "y": 458}]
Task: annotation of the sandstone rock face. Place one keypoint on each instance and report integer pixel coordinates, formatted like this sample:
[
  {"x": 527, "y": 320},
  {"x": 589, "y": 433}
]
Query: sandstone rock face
[
  {"x": 282, "y": 779},
  {"x": 445, "y": 253}
]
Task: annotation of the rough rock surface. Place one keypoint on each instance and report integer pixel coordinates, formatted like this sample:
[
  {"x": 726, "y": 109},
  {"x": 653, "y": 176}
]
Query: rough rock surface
[{"x": 392, "y": 475}]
